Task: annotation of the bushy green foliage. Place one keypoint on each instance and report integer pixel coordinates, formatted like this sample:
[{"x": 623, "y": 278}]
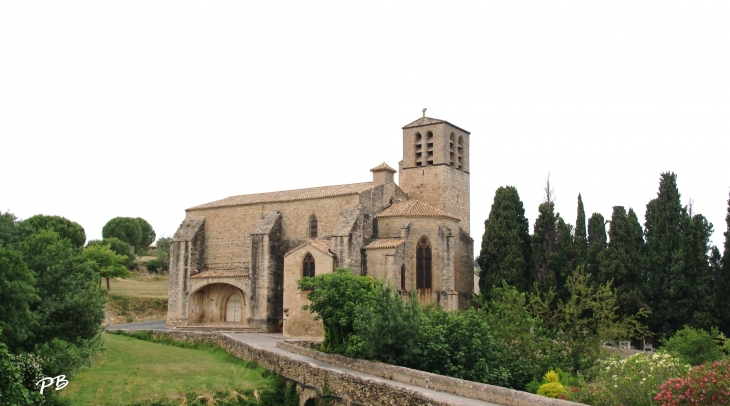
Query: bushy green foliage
[
  {"x": 163, "y": 252},
  {"x": 119, "y": 247},
  {"x": 693, "y": 346},
  {"x": 388, "y": 330},
  {"x": 621, "y": 263},
  {"x": 506, "y": 252},
  {"x": 551, "y": 387},
  {"x": 154, "y": 265},
  {"x": 580, "y": 237},
  {"x": 597, "y": 241},
  {"x": 587, "y": 318},
  {"x": 105, "y": 262},
  {"x": 147, "y": 233},
  {"x": 134, "y": 231},
  {"x": 707, "y": 384},
  {"x": 630, "y": 381},
  {"x": 17, "y": 286},
  {"x": 12, "y": 391},
  {"x": 65, "y": 228},
  {"x": 336, "y": 298}
]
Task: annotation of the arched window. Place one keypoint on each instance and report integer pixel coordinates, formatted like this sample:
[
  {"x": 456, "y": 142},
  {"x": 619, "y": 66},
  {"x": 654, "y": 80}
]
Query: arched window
[
  {"x": 423, "y": 264},
  {"x": 452, "y": 155},
  {"x": 308, "y": 270},
  {"x": 313, "y": 226},
  {"x": 402, "y": 277},
  {"x": 419, "y": 149},
  {"x": 429, "y": 148},
  {"x": 461, "y": 153}
]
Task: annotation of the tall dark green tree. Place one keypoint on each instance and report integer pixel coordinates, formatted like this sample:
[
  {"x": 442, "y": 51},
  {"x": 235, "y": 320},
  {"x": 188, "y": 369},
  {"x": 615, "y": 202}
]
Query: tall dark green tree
[
  {"x": 621, "y": 264},
  {"x": 723, "y": 288},
  {"x": 581, "y": 239},
  {"x": 553, "y": 248},
  {"x": 506, "y": 252},
  {"x": 665, "y": 227},
  {"x": 596, "y": 242},
  {"x": 699, "y": 272}
]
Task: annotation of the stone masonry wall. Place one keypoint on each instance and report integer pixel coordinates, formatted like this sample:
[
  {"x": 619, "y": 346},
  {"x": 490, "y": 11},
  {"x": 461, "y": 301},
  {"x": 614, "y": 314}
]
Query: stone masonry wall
[
  {"x": 460, "y": 387},
  {"x": 355, "y": 390}
]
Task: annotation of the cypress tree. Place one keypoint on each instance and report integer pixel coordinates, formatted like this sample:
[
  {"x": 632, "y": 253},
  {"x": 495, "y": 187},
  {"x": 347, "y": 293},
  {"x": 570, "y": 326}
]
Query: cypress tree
[
  {"x": 669, "y": 288},
  {"x": 544, "y": 245},
  {"x": 581, "y": 241},
  {"x": 621, "y": 262},
  {"x": 723, "y": 292},
  {"x": 506, "y": 252},
  {"x": 596, "y": 242},
  {"x": 699, "y": 273}
]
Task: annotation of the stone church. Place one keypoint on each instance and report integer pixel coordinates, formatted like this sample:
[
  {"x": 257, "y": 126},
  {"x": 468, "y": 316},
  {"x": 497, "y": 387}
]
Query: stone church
[{"x": 235, "y": 262}]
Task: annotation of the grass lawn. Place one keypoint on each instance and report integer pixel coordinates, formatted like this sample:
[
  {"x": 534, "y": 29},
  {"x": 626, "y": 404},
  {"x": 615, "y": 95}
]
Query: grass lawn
[
  {"x": 140, "y": 286},
  {"x": 135, "y": 370}
]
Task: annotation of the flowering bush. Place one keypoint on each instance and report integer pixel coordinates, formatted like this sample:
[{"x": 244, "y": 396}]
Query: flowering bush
[
  {"x": 631, "y": 381},
  {"x": 705, "y": 384}
]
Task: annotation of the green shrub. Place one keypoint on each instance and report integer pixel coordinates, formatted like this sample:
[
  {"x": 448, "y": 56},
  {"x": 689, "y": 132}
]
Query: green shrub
[
  {"x": 693, "y": 346},
  {"x": 154, "y": 265},
  {"x": 631, "y": 381},
  {"x": 551, "y": 388}
]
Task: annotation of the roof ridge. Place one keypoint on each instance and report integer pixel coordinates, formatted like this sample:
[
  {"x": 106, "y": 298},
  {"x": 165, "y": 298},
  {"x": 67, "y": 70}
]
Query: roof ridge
[
  {"x": 289, "y": 195},
  {"x": 413, "y": 208}
]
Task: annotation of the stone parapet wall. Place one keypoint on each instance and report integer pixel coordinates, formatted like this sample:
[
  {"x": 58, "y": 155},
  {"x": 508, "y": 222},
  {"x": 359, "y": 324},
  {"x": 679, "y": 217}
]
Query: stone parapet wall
[
  {"x": 345, "y": 388},
  {"x": 460, "y": 387}
]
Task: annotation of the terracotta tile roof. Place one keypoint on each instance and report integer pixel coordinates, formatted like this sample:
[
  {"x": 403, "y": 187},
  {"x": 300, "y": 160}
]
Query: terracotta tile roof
[
  {"x": 289, "y": 195},
  {"x": 385, "y": 243},
  {"x": 320, "y": 245},
  {"x": 221, "y": 273},
  {"x": 429, "y": 121},
  {"x": 413, "y": 208},
  {"x": 383, "y": 168}
]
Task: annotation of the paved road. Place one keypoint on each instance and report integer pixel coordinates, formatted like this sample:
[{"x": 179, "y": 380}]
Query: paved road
[
  {"x": 144, "y": 325},
  {"x": 268, "y": 342}
]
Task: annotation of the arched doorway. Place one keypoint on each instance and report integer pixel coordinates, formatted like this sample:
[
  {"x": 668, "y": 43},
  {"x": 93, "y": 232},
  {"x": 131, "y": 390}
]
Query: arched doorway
[{"x": 233, "y": 309}]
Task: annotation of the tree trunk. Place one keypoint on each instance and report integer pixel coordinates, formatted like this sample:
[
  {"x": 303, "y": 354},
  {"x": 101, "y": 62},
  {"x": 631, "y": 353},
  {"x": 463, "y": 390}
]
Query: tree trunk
[{"x": 107, "y": 284}]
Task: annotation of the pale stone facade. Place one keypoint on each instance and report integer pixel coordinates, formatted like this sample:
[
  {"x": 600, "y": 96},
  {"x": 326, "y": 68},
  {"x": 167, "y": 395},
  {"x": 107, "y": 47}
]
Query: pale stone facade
[{"x": 235, "y": 262}]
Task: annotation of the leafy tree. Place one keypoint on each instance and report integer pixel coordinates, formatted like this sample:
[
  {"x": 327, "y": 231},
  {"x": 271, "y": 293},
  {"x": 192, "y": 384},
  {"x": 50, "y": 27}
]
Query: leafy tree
[
  {"x": 163, "y": 252},
  {"x": 390, "y": 330},
  {"x": 665, "y": 231},
  {"x": 7, "y": 227},
  {"x": 71, "y": 305},
  {"x": 18, "y": 295},
  {"x": 148, "y": 233},
  {"x": 581, "y": 239},
  {"x": 506, "y": 252},
  {"x": 597, "y": 241},
  {"x": 693, "y": 346},
  {"x": 586, "y": 319},
  {"x": 105, "y": 262},
  {"x": 126, "y": 229},
  {"x": 336, "y": 298},
  {"x": 65, "y": 228},
  {"x": 119, "y": 247},
  {"x": 620, "y": 264}
]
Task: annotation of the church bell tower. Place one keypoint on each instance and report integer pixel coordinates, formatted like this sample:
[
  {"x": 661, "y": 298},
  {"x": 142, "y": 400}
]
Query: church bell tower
[{"x": 435, "y": 166}]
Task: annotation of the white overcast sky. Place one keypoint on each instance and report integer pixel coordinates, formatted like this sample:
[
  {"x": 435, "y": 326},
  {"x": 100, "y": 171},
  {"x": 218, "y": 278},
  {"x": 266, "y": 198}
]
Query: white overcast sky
[{"x": 146, "y": 108}]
